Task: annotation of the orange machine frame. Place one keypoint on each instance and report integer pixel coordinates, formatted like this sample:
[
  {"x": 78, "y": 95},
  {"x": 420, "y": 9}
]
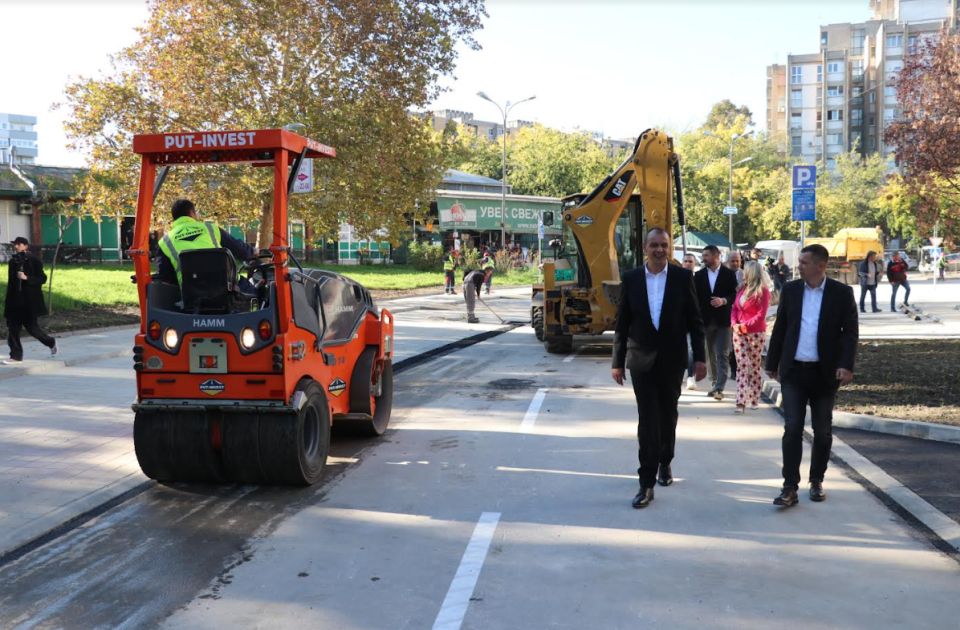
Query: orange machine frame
[{"x": 330, "y": 366}]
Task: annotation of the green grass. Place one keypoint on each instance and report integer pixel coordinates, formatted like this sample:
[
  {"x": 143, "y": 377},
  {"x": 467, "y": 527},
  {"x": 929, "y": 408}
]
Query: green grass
[{"x": 79, "y": 287}]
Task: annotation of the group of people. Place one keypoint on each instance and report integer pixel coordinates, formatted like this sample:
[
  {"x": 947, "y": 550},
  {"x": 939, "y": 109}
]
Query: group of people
[
  {"x": 671, "y": 319},
  {"x": 733, "y": 302},
  {"x": 870, "y": 271}
]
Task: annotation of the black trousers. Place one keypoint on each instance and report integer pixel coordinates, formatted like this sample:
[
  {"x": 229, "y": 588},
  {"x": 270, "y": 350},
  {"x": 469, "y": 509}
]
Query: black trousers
[
  {"x": 657, "y": 392},
  {"x": 805, "y": 385},
  {"x": 15, "y": 323}
]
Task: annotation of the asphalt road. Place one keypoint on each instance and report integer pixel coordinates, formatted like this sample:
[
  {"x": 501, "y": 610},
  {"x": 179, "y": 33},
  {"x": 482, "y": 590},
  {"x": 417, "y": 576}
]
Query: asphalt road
[{"x": 500, "y": 498}]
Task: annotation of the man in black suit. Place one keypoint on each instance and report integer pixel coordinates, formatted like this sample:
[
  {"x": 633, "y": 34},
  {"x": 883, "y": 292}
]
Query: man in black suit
[
  {"x": 657, "y": 309},
  {"x": 811, "y": 353},
  {"x": 716, "y": 288}
]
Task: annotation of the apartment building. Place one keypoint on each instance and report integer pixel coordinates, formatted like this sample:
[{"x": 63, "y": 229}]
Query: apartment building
[
  {"x": 844, "y": 96},
  {"x": 18, "y": 139},
  {"x": 777, "y": 103},
  {"x": 483, "y": 128}
]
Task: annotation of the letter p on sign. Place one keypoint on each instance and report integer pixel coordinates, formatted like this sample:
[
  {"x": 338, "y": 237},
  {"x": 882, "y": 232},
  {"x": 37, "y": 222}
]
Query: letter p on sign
[{"x": 804, "y": 176}]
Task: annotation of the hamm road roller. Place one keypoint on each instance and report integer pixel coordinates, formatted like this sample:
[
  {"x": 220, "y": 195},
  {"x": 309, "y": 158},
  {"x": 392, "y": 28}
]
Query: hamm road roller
[{"x": 240, "y": 379}]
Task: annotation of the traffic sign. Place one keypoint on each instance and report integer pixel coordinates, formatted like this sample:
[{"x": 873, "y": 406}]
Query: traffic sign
[
  {"x": 804, "y": 176},
  {"x": 730, "y": 210},
  {"x": 540, "y": 230},
  {"x": 936, "y": 241},
  {"x": 805, "y": 204}
]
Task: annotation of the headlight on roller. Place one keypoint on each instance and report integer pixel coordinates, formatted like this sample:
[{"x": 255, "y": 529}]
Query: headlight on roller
[
  {"x": 170, "y": 338},
  {"x": 247, "y": 338}
]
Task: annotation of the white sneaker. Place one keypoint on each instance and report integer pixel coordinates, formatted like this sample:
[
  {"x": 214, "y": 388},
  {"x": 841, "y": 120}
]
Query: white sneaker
[
  {"x": 691, "y": 382},
  {"x": 11, "y": 362},
  {"x": 54, "y": 350}
]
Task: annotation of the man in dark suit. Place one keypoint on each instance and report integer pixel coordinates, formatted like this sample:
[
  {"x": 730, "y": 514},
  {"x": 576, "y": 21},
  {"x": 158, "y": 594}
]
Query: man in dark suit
[
  {"x": 716, "y": 287},
  {"x": 811, "y": 353},
  {"x": 657, "y": 309}
]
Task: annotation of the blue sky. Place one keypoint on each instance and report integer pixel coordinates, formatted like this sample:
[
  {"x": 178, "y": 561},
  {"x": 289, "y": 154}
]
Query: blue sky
[{"x": 615, "y": 67}]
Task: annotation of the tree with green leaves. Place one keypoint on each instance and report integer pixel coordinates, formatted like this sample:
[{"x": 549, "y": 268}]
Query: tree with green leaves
[
  {"x": 847, "y": 197},
  {"x": 467, "y": 151},
  {"x": 551, "y": 163},
  {"x": 349, "y": 71},
  {"x": 926, "y": 136}
]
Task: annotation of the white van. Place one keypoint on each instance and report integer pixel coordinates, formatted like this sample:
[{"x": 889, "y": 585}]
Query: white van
[{"x": 790, "y": 250}]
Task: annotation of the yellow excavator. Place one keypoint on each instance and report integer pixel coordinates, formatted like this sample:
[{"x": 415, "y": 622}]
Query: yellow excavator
[{"x": 602, "y": 236}]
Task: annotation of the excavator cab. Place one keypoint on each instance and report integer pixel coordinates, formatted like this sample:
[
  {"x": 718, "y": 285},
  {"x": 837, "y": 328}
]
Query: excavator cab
[
  {"x": 602, "y": 237},
  {"x": 242, "y": 383}
]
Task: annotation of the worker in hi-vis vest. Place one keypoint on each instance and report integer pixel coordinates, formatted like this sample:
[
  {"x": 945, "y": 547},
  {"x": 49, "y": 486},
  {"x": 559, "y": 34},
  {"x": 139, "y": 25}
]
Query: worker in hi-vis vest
[
  {"x": 188, "y": 232},
  {"x": 450, "y": 264}
]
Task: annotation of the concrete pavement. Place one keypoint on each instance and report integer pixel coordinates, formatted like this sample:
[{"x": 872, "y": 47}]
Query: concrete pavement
[
  {"x": 66, "y": 429},
  {"x": 508, "y": 513}
]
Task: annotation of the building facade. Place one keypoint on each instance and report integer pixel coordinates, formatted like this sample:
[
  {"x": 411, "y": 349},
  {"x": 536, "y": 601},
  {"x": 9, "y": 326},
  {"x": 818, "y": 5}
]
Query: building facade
[
  {"x": 18, "y": 139},
  {"x": 843, "y": 97}
]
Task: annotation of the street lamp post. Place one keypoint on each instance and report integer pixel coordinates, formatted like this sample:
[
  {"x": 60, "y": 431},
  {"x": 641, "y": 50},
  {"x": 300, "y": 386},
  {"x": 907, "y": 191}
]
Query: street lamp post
[
  {"x": 733, "y": 139},
  {"x": 505, "y": 111}
]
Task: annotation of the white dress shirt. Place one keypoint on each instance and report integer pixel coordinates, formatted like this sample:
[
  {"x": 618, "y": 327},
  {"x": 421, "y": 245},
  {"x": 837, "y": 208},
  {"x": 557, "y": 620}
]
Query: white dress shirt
[
  {"x": 810, "y": 323},
  {"x": 712, "y": 277},
  {"x": 656, "y": 282}
]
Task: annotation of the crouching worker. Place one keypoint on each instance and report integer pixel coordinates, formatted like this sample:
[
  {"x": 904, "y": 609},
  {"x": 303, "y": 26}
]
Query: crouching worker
[{"x": 472, "y": 282}]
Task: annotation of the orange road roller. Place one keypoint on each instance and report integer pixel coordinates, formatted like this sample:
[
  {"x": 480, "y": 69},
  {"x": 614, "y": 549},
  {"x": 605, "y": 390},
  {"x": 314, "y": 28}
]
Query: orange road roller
[{"x": 239, "y": 379}]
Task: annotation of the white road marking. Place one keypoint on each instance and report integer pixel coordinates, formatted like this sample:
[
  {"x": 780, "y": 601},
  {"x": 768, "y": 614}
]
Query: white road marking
[
  {"x": 564, "y": 472},
  {"x": 455, "y": 604},
  {"x": 570, "y": 357},
  {"x": 531, "y": 416}
]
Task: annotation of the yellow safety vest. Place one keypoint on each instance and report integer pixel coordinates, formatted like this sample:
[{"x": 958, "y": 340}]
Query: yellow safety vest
[
  {"x": 449, "y": 264},
  {"x": 187, "y": 233}
]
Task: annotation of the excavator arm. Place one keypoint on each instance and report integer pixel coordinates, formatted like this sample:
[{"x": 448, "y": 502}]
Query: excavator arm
[{"x": 651, "y": 172}]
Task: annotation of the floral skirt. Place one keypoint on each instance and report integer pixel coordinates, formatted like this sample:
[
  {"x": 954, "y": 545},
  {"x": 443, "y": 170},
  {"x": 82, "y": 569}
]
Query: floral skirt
[{"x": 748, "y": 349}]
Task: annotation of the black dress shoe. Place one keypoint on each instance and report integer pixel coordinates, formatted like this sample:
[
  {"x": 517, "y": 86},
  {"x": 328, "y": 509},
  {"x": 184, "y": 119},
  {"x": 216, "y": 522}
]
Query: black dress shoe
[
  {"x": 787, "y": 498},
  {"x": 643, "y": 498},
  {"x": 665, "y": 478},
  {"x": 816, "y": 491}
]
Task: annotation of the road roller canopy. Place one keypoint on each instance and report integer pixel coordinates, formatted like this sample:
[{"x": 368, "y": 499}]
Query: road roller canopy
[{"x": 212, "y": 147}]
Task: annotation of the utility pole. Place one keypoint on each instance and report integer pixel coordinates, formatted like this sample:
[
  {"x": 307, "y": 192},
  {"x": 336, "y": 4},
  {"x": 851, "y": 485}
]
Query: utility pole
[{"x": 504, "y": 111}]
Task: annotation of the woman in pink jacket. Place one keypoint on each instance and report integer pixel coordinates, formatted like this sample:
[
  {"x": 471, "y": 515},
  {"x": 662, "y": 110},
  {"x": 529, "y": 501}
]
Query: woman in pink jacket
[{"x": 749, "y": 324}]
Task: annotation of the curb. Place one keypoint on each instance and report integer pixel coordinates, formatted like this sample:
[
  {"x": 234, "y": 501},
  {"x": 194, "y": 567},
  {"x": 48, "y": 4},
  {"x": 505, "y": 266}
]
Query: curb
[
  {"x": 941, "y": 530},
  {"x": 891, "y": 426},
  {"x": 53, "y": 365},
  {"x": 26, "y": 538}
]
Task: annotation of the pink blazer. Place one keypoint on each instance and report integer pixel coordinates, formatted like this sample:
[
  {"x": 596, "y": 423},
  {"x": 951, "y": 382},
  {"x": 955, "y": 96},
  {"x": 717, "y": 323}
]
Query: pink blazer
[{"x": 753, "y": 313}]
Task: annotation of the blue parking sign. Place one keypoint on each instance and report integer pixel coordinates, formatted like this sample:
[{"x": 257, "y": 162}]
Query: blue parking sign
[
  {"x": 804, "y": 176},
  {"x": 805, "y": 204}
]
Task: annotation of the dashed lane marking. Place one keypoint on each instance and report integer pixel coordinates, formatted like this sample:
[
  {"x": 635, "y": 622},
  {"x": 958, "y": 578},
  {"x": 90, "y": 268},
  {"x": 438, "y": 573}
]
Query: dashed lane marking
[
  {"x": 530, "y": 418},
  {"x": 455, "y": 604}
]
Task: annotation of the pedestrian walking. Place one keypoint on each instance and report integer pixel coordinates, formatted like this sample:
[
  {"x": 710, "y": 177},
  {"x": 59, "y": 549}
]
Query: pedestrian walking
[
  {"x": 450, "y": 265},
  {"x": 897, "y": 275},
  {"x": 487, "y": 266},
  {"x": 869, "y": 271},
  {"x": 716, "y": 287},
  {"x": 472, "y": 281},
  {"x": 24, "y": 303},
  {"x": 781, "y": 273},
  {"x": 811, "y": 353},
  {"x": 748, "y": 320},
  {"x": 735, "y": 263},
  {"x": 942, "y": 266},
  {"x": 656, "y": 311}
]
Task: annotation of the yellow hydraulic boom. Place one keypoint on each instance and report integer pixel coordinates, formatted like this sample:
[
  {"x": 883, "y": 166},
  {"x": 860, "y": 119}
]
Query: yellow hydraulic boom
[{"x": 580, "y": 288}]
